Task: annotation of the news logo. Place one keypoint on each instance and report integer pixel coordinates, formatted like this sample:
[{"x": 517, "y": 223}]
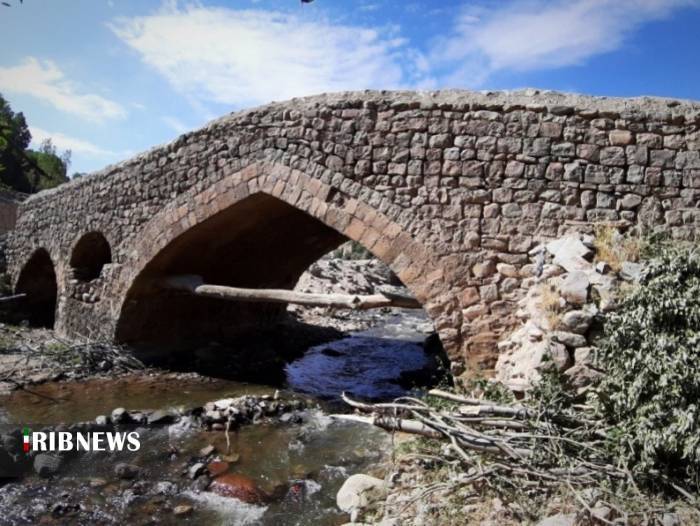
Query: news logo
[{"x": 90, "y": 441}]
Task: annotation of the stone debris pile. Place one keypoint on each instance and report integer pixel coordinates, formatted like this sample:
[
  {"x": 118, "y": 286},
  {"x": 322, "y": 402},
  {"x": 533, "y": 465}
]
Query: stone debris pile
[{"x": 561, "y": 313}]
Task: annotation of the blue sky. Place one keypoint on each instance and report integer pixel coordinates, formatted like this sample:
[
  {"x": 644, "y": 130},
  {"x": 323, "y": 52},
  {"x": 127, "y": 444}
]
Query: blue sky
[{"x": 111, "y": 78}]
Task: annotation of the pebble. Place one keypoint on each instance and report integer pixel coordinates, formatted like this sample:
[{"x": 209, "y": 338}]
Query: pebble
[
  {"x": 182, "y": 509},
  {"x": 196, "y": 470},
  {"x": 126, "y": 471},
  {"x": 207, "y": 450}
]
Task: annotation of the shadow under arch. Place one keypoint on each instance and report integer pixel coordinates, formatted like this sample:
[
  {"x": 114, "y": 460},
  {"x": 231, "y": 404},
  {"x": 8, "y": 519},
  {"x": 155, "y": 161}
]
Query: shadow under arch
[
  {"x": 89, "y": 256},
  {"x": 37, "y": 280},
  {"x": 260, "y": 228}
]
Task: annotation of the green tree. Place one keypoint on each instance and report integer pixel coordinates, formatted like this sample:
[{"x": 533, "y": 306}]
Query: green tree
[{"x": 21, "y": 169}]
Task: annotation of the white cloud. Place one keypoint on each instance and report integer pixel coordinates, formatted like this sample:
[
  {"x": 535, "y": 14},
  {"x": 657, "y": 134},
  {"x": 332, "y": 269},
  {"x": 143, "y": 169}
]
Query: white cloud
[
  {"x": 65, "y": 142},
  {"x": 44, "y": 80},
  {"x": 176, "y": 124},
  {"x": 242, "y": 57},
  {"x": 539, "y": 34}
]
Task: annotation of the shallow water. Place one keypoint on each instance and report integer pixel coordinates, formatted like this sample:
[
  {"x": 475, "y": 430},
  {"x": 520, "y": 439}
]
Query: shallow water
[{"x": 303, "y": 465}]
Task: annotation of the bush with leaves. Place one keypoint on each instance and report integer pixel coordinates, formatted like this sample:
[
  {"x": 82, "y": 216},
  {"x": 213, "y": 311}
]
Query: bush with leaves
[{"x": 650, "y": 394}]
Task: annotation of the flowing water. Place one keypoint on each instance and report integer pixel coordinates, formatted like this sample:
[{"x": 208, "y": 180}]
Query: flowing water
[{"x": 300, "y": 465}]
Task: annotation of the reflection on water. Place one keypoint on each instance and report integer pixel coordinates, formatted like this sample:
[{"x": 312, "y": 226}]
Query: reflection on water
[{"x": 375, "y": 364}]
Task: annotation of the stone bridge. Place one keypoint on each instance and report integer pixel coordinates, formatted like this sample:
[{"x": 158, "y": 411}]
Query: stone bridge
[{"x": 450, "y": 189}]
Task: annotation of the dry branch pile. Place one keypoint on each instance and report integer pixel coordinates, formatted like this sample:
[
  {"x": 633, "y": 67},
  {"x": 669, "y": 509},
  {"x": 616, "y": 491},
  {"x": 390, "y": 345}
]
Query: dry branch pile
[
  {"x": 31, "y": 362},
  {"x": 513, "y": 446}
]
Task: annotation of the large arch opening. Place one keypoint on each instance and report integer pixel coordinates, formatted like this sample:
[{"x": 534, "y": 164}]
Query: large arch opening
[
  {"x": 38, "y": 281},
  {"x": 90, "y": 254},
  {"x": 260, "y": 242}
]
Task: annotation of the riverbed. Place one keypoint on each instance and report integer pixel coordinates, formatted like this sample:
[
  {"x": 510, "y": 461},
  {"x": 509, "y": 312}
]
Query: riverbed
[{"x": 298, "y": 463}]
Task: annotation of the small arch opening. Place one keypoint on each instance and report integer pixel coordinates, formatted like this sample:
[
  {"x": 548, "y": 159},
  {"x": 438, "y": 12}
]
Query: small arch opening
[
  {"x": 38, "y": 281},
  {"x": 90, "y": 254}
]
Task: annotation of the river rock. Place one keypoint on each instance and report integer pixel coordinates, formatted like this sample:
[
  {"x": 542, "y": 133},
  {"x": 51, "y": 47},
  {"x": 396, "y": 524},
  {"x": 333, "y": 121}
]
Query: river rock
[
  {"x": 225, "y": 403},
  {"x": 120, "y": 416},
  {"x": 182, "y": 509},
  {"x": 217, "y": 468},
  {"x": 126, "y": 471},
  {"x": 164, "y": 487},
  {"x": 207, "y": 450},
  {"x": 239, "y": 487},
  {"x": 160, "y": 418},
  {"x": 195, "y": 470},
  {"x": 47, "y": 464},
  {"x": 359, "y": 492}
]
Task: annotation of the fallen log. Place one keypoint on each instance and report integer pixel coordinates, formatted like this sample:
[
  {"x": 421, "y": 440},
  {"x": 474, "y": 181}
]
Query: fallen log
[
  {"x": 195, "y": 285},
  {"x": 12, "y": 298}
]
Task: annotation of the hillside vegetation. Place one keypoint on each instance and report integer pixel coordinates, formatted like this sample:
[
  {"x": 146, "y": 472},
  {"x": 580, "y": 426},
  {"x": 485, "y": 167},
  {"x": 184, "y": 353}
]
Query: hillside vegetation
[{"x": 22, "y": 169}]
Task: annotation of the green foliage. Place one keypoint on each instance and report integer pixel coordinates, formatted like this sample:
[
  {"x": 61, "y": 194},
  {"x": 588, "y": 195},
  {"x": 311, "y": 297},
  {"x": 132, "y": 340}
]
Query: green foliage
[
  {"x": 21, "y": 169},
  {"x": 351, "y": 250},
  {"x": 651, "y": 355},
  {"x": 53, "y": 168}
]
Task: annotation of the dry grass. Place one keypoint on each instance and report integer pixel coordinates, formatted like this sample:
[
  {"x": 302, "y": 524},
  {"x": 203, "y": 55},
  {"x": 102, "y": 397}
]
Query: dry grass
[
  {"x": 550, "y": 302},
  {"x": 614, "y": 248}
]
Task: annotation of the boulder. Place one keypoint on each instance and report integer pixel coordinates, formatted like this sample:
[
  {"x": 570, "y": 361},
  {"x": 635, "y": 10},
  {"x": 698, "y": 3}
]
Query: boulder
[
  {"x": 570, "y": 339},
  {"x": 577, "y": 321},
  {"x": 160, "y": 418},
  {"x": 47, "y": 464},
  {"x": 126, "y": 471},
  {"x": 581, "y": 375},
  {"x": 217, "y": 468},
  {"x": 570, "y": 253},
  {"x": 574, "y": 287},
  {"x": 584, "y": 355},
  {"x": 359, "y": 492},
  {"x": 519, "y": 367}
]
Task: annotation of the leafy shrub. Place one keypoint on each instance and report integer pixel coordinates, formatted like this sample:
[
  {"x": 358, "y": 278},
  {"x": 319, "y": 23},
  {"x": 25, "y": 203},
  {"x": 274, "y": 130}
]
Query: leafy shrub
[{"x": 651, "y": 355}]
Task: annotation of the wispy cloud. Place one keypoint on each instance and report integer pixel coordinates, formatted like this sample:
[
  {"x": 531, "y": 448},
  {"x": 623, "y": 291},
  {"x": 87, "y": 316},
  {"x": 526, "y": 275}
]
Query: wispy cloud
[
  {"x": 539, "y": 34},
  {"x": 44, "y": 80},
  {"x": 241, "y": 57},
  {"x": 66, "y": 142}
]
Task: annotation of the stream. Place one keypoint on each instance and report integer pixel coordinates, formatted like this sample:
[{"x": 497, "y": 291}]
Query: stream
[{"x": 299, "y": 463}]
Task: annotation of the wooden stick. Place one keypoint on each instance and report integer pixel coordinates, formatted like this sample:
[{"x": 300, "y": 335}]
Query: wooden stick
[
  {"x": 13, "y": 297},
  {"x": 393, "y": 424},
  {"x": 195, "y": 285}
]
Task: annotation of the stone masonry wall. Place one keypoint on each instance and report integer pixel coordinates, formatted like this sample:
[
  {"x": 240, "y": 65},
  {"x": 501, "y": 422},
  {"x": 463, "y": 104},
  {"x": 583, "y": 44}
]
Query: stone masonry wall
[{"x": 460, "y": 184}]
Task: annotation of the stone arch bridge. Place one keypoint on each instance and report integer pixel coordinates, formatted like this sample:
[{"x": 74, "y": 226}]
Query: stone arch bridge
[{"x": 450, "y": 189}]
